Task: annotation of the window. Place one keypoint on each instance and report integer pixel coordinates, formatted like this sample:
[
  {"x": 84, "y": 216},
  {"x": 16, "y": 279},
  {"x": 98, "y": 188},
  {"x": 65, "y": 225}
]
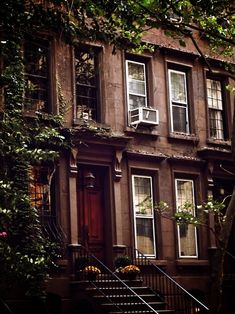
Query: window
[
  {"x": 86, "y": 78},
  {"x": 187, "y": 234},
  {"x": 143, "y": 214},
  {"x": 215, "y": 107},
  {"x": 37, "y": 82},
  {"x": 42, "y": 197},
  {"x": 40, "y": 189},
  {"x": 178, "y": 101},
  {"x": 136, "y": 84}
]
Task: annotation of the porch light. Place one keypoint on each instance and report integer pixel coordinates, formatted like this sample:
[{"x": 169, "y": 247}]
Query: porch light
[
  {"x": 221, "y": 190},
  {"x": 89, "y": 180}
]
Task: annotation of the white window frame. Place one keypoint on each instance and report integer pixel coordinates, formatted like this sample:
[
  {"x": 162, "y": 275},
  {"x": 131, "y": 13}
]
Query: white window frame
[
  {"x": 174, "y": 103},
  {"x": 217, "y": 110},
  {"x": 178, "y": 227},
  {"x": 129, "y": 80},
  {"x": 141, "y": 216}
]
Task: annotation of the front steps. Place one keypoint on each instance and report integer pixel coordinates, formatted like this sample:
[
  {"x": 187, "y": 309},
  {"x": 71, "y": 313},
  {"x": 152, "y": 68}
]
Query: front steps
[{"x": 112, "y": 297}]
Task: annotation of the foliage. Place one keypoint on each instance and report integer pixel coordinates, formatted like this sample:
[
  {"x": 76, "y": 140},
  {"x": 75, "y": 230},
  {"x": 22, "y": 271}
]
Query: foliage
[
  {"x": 145, "y": 206},
  {"x": 122, "y": 261},
  {"x": 214, "y": 207},
  {"x": 188, "y": 214},
  {"x": 25, "y": 254},
  {"x": 185, "y": 214}
]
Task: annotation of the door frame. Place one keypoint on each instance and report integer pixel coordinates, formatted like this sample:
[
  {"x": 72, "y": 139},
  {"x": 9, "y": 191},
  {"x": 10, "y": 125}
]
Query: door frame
[{"x": 106, "y": 202}]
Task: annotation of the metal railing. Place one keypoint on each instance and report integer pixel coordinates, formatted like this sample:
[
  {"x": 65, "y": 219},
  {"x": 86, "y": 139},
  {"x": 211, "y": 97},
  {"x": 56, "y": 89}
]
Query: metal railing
[
  {"x": 114, "y": 293},
  {"x": 161, "y": 283},
  {"x": 4, "y": 308}
]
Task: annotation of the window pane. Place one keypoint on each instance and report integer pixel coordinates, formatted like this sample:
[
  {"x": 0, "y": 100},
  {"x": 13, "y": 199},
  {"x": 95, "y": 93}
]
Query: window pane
[
  {"x": 187, "y": 238},
  {"x": 144, "y": 230},
  {"x": 214, "y": 94},
  {"x": 136, "y": 71},
  {"x": 86, "y": 84},
  {"x": 39, "y": 189},
  {"x": 178, "y": 92},
  {"x": 36, "y": 57},
  {"x": 184, "y": 192},
  {"x": 215, "y": 104},
  {"x": 143, "y": 213},
  {"x": 179, "y": 119},
  {"x": 136, "y": 101},
  {"x": 136, "y": 85},
  {"x": 216, "y": 124},
  {"x": 143, "y": 196}
]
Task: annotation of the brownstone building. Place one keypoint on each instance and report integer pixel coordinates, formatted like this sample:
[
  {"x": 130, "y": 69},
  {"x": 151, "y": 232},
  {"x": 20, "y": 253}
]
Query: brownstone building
[{"x": 145, "y": 128}]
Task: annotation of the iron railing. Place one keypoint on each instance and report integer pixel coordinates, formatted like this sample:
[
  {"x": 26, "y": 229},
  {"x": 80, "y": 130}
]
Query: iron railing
[
  {"x": 4, "y": 307},
  {"x": 161, "y": 283},
  {"x": 114, "y": 293}
]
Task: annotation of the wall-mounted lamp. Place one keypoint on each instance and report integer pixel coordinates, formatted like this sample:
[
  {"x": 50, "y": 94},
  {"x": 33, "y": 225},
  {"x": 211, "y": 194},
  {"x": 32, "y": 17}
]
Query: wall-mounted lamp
[
  {"x": 89, "y": 180},
  {"x": 221, "y": 190}
]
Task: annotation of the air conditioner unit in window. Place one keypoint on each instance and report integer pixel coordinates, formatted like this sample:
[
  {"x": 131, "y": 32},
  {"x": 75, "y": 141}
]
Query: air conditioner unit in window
[{"x": 144, "y": 115}]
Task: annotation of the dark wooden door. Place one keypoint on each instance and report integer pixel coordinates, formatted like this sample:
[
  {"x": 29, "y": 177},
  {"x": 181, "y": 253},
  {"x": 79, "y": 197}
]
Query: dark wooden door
[{"x": 91, "y": 211}]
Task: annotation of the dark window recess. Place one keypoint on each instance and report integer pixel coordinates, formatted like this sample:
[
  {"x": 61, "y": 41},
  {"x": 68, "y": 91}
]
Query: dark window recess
[
  {"x": 86, "y": 84},
  {"x": 42, "y": 184},
  {"x": 40, "y": 189},
  {"x": 36, "y": 57}
]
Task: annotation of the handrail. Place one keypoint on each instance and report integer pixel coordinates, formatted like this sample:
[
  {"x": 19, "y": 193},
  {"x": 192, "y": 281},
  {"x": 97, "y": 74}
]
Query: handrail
[
  {"x": 118, "y": 285},
  {"x": 176, "y": 295},
  {"x": 5, "y": 307}
]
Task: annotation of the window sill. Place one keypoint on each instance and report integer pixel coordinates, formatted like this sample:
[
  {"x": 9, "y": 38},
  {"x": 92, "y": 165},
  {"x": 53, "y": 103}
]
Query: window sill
[
  {"x": 224, "y": 143},
  {"x": 183, "y": 137},
  {"x": 189, "y": 262},
  {"x": 142, "y": 130}
]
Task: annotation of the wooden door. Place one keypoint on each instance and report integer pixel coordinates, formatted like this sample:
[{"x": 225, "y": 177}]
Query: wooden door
[{"x": 91, "y": 211}]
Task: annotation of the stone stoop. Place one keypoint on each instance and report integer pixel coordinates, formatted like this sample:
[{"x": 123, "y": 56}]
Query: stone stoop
[{"x": 106, "y": 299}]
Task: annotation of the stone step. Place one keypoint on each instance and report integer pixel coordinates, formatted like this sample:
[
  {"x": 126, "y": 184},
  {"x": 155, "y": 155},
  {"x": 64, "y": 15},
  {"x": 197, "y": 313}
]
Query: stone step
[
  {"x": 128, "y": 298},
  {"x": 145, "y": 312},
  {"x": 123, "y": 291},
  {"x": 134, "y": 306}
]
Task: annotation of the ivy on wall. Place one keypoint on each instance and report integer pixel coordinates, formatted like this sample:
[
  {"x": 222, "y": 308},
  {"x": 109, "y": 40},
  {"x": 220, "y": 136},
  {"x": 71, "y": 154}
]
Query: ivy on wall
[{"x": 25, "y": 254}]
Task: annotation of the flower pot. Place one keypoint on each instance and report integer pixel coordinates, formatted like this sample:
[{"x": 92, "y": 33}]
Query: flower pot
[
  {"x": 91, "y": 276},
  {"x": 131, "y": 276}
]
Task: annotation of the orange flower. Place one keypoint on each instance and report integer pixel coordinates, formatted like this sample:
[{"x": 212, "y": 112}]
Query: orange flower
[
  {"x": 130, "y": 269},
  {"x": 92, "y": 269}
]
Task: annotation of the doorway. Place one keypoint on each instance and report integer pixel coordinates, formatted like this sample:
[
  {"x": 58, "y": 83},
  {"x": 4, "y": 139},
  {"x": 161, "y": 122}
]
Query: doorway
[{"x": 94, "y": 229}]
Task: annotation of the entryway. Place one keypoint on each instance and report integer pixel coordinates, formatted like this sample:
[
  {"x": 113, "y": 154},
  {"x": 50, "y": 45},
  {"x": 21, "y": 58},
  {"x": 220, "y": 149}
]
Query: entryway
[{"x": 94, "y": 222}]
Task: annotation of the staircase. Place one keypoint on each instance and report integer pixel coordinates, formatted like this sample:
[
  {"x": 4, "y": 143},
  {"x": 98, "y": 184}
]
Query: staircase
[
  {"x": 153, "y": 291},
  {"x": 113, "y": 296},
  {"x": 136, "y": 298}
]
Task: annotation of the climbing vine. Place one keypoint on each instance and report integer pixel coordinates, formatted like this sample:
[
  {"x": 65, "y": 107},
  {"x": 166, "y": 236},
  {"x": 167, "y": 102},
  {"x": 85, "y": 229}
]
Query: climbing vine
[{"x": 25, "y": 254}]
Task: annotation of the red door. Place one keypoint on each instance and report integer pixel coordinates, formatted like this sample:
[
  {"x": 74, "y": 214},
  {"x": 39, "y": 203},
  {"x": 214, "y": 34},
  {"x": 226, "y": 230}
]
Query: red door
[{"x": 91, "y": 210}]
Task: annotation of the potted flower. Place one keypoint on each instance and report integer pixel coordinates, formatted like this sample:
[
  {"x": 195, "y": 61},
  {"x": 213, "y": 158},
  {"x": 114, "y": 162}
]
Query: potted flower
[
  {"x": 130, "y": 271},
  {"x": 80, "y": 263},
  {"x": 91, "y": 272},
  {"x": 122, "y": 261}
]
